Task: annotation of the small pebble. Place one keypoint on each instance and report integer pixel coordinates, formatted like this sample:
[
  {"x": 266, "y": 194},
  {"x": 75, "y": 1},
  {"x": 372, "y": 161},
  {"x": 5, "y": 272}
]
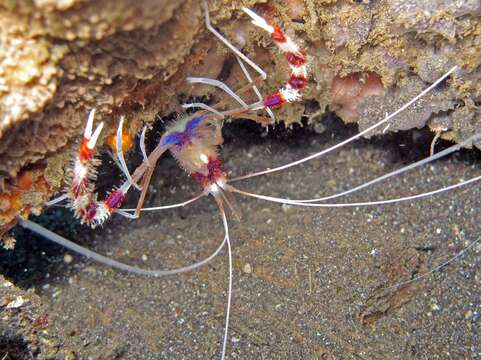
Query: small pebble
[
  {"x": 319, "y": 127},
  {"x": 70, "y": 355},
  {"x": 67, "y": 258},
  {"x": 90, "y": 270},
  {"x": 287, "y": 208},
  {"x": 15, "y": 304},
  {"x": 49, "y": 341}
]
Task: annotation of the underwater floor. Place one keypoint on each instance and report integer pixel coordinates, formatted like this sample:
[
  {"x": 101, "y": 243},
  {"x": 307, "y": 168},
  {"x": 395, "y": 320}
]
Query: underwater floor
[{"x": 308, "y": 283}]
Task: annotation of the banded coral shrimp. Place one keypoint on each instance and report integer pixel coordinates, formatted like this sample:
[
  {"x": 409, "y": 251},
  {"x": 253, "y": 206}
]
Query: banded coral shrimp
[{"x": 261, "y": 273}]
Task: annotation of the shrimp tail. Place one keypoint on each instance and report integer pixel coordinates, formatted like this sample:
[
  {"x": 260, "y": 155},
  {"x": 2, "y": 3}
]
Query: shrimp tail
[{"x": 227, "y": 198}]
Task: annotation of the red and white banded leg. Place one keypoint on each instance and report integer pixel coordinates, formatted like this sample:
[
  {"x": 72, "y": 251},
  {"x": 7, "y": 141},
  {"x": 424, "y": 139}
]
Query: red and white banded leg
[
  {"x": 83, "y": 199},
  {"x": 297, "y": 59},
  {"x": 84, "y": 169},
  {"x": 241, "y": 58}
]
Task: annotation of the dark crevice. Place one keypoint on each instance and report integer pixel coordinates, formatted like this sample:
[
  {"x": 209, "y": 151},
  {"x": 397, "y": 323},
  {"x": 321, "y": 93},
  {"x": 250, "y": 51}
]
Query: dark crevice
[{"x": 13, "y": 346}]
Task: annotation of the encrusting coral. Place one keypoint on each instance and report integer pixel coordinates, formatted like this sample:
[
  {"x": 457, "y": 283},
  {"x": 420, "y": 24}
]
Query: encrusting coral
[{"x": 60, "y": 58}]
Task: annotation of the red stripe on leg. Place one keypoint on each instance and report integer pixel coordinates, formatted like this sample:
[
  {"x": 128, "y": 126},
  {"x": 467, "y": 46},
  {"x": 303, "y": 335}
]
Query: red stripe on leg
[
  {"x": 296, "y": 59},
  {"x": 114, "y": 200},
  {"x": 90, "y": 211},
  {"x": 274, "y": 101},
  {"x": 297, "y": 82},
  {"x": 85, "y": 154},
  {"x": 78, "y": 189},
  {"x": 278, "y": 35}
]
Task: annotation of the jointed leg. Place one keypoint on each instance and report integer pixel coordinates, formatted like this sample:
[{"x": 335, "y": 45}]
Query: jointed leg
[
  {"x": 229, "y": 45},
  {"x": 146, "y": 177},
  {"x": 242, "y": 90},
  {"x": 126, "y": 214},
  {"x": 295, "y": 56},
  {"x": 238, "y": 112},
  {"x": 145, "y": 185},
  {"x": 205, "y": 107},
  {"x": 140, "y": 202},
  {"x": 239, "y": 92},
  {"x": 120, "y": 155},
  {"x": 263, "y": 120},
  {"x": 256, "y": 90},
  {"x": 220, "y": 85},
  {"x": 240, "y": 58},
  {"x": 142, "y": 146},
  {"x": 172, "y": 206}
]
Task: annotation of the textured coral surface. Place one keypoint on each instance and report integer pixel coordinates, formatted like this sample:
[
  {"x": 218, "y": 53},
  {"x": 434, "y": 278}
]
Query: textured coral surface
[{"x": 60, "y": 58}]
